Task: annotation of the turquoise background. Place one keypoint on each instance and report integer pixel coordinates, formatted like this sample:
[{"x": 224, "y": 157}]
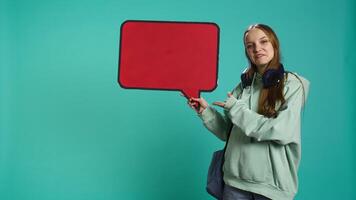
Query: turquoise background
[{"x": 68, "y": 131}]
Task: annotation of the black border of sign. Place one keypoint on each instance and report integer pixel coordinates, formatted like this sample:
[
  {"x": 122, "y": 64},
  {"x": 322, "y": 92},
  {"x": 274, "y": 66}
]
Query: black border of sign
[{"x": 183, "y": 22}]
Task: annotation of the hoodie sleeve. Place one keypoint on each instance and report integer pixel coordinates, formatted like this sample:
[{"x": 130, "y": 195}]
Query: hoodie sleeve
[
  {"x": 216, "y": 122},
  {"x": 283, "y": 129}
]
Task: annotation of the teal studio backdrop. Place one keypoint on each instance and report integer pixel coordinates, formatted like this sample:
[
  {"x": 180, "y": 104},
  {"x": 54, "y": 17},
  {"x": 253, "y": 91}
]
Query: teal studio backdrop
[{"x": 68, "y": 131}]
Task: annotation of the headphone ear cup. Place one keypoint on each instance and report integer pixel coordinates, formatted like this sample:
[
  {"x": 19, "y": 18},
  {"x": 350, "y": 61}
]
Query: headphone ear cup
[
  {"x": 245, "y": 80},
  {"x": 272, "y": 77}
]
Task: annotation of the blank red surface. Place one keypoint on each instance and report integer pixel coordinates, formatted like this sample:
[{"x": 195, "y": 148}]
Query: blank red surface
[{"x": 169, "y": 56}]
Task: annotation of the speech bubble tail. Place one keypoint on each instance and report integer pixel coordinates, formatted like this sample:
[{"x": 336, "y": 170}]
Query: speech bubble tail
[{"x": 188, "y": 93}]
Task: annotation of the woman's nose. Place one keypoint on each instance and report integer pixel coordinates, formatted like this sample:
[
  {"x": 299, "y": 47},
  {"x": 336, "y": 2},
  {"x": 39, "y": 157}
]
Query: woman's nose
[{"x": 257, "y": 48}]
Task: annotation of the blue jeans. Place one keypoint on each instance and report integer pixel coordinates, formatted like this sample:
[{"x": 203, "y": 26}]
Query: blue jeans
[{"x": 231, "y": 193}]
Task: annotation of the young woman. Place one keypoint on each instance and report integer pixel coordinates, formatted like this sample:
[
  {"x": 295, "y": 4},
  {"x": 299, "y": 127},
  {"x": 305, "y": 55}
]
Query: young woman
[{"x": 264, "y": 111}]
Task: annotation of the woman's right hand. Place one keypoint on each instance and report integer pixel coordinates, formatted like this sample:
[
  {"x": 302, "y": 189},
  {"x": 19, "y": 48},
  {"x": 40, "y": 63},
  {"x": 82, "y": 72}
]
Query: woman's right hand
[{"x": 198, "y": 104}]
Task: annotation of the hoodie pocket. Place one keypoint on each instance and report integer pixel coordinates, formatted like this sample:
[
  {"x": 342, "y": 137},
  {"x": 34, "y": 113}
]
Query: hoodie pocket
[{"x": 254, "y": 163}]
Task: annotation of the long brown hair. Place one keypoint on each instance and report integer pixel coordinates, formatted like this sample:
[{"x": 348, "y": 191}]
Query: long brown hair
[{"x": 268, "y": 96}]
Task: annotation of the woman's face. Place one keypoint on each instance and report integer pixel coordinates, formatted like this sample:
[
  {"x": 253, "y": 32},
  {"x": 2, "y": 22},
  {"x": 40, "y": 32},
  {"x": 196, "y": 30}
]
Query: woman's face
[{"x": 259, "y": 48}]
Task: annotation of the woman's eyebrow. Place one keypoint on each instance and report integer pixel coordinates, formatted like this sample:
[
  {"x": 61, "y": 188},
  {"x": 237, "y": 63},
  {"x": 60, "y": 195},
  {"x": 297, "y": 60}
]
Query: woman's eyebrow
[{"x": 264, "y": 37}]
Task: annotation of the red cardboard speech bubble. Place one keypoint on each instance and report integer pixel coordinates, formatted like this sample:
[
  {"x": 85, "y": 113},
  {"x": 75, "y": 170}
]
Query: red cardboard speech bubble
[{"x": 165, "y": 55}]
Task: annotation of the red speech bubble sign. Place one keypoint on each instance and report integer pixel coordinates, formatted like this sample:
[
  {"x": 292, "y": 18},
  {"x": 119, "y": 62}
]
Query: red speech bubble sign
[{"x": 164, "y": 55}]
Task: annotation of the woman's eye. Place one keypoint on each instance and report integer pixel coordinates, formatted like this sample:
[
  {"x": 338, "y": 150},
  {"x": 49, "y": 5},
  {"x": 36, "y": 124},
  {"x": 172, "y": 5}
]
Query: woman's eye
[{"x": 264, "y": 41}]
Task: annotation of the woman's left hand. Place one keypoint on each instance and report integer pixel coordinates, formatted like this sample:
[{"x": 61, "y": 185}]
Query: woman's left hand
[{"x": 222, "y": 104}]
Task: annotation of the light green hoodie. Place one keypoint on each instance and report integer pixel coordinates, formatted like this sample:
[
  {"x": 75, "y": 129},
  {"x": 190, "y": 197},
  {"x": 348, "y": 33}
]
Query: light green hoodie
[{"x": 263, "y": 154}]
